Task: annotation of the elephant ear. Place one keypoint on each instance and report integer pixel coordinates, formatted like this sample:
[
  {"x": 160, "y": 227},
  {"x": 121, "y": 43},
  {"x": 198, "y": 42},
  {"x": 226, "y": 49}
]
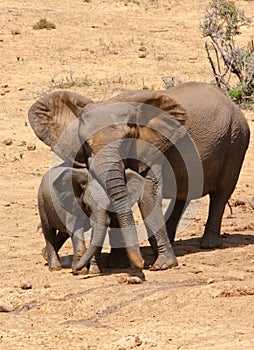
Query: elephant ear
[
  {"x": 67, "y": 188},
  {"x": 54, "y": 121},
  {"x": 159, "y": 99},
  {"x": 160, "y": 113}
]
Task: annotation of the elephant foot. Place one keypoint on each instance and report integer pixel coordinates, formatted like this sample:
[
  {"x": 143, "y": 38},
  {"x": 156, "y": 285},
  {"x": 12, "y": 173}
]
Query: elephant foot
[
  {"x": 211, "y": 241},
  {"x": 94, "y": 270},
  {"x": 83, "y": 271},
  {"x": 164, "y": 262},
  {"x": 54, "y": 265}
]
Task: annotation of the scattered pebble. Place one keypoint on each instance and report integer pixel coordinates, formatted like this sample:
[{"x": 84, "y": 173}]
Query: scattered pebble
[
  {"x": 126, "y": 343},
  {"x": 142, "y": 48},
  {"x": 142, "y": 55},
  {"x": 26, "y": 286},
  {"x": 5, "y": 203},
  {"x": 15, "y": 31},
  {"x": 210, "y": 280},
  {"x": 129, "y": 280},
  {"x": 22, "y": 143},
  {"x": 25, "y": 307},
  {"x": 8, "y": 141},
  {"x": 235, "y": 292},
  {"x": 31, "y": 146},
  {"x": 239, "y": 202},
  {"x": 6, "y": 90},
  {"x": 5, "y": 307}
]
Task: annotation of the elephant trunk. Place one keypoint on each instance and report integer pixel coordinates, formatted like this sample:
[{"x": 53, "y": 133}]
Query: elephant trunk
[
  {"x": 109, "y": 170},
  {"x": 85, "y": 259},
  {"x": 99, "y": 224}
]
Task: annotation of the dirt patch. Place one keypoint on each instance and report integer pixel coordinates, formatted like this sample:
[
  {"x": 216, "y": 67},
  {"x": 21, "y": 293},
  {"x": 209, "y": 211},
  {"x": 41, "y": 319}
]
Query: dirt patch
[{"x": 97, "y": 49}]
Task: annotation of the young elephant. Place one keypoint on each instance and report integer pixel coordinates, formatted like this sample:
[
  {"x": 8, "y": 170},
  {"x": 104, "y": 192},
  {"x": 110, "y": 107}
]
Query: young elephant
[
  {"x": 61, "y": 210},
  {"x": 68, "y": 203}
]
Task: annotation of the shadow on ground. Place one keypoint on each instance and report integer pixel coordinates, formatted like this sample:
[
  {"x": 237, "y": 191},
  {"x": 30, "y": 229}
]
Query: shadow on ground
[{"x": 181, "y": 247}]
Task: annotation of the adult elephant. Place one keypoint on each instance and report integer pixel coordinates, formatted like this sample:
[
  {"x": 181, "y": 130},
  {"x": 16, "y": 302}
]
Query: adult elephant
[{"x": 205, "y": 155}]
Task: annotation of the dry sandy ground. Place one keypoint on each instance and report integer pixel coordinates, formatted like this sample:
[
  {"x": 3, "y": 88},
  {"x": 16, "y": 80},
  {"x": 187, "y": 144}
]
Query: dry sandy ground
[{"x": 205, "y": 303}]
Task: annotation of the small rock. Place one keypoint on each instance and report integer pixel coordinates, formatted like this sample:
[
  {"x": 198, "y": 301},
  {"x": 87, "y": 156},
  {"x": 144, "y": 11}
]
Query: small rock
[
  {"x": 8, "y": 141},
  {"x": 31, "y": 146},
  {"x": 15, "y": 31},
  {"x": 239, "y": 202},
  {"x": 5, "y": 307},
  {"x": 142, "y": 55},
  {"x": 5, "y": 203},
  {"x": 127, "y": 343},
  {"x": 130, "y": 280},
  {"x": 138, "y": 341},
  {"x": 22, "y": 143},
  {"x": 25, "y": 307},
  {"x": 142, "y": 48},
  {"x": 26, "y": 286},
  {"x": 210, "y": 280}
]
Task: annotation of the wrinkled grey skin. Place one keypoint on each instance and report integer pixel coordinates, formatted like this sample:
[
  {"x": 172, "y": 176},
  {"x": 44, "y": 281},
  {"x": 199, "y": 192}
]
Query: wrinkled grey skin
[
  {"x": 67, "y": 207},
  {"x": 58, "y": 216},
  {"x": 214, "y": 124}
]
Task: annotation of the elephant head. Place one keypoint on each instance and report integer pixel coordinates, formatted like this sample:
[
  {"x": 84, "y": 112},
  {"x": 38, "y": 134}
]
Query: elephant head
[
  {"x": 99, "y": 206},
  {"x": 103, "y": 139}
]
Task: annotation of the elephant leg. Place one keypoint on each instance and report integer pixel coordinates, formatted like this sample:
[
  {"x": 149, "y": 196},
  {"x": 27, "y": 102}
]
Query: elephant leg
[
  {"x": 61, "y": 238},
  {"x": 173, "y": 217},
  {"x": 95, "y": 262},
  {"x": 211, "y": 238},
  {"x": 79, "y": 248},
  {"x": 151, "y": 211},
  {"x": 118, "y": 257},
  {"x": 53, "y": 258}
]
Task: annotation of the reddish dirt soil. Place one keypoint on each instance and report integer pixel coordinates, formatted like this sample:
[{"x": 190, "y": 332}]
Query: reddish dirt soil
[{"x": 207, "y": 302}]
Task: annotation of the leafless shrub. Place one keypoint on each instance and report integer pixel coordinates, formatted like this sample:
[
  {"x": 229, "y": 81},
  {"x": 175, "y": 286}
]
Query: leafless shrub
[{"x": 222, "y": 23}]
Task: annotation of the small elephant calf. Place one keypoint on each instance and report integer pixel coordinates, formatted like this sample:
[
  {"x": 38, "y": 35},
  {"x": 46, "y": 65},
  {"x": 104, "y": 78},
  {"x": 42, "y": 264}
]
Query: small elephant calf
[
  {"x": 68, "y": 204},
  {"x": 62, "y": 210}
]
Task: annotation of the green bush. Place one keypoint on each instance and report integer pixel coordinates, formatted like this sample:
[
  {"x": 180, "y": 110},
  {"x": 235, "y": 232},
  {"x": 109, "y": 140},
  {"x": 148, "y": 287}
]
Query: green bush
[{"x": 44, "y": 24}]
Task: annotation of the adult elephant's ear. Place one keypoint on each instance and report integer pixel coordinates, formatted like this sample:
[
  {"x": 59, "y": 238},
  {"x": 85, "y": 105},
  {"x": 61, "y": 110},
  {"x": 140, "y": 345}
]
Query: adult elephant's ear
[
  {"x": 166, "y": 117},
  {"x": 159, "y": 99},
  {"x": 54, "y": 119}
]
